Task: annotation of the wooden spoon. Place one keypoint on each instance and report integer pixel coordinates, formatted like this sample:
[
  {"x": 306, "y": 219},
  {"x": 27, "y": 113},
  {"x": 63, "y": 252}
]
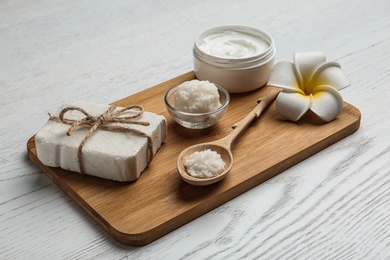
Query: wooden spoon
[{"x": 223, "y": 145}]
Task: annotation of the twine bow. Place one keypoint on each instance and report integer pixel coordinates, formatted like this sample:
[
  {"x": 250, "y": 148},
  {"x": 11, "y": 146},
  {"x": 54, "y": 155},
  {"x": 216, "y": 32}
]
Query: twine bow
[{"x": 109, "y": 120}]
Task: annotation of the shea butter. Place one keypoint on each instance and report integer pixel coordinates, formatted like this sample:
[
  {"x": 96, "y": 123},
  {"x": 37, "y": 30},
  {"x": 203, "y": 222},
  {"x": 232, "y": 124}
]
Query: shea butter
[
  {"x": 204, "y": 164},
  {"x": 196, "y": 96}
]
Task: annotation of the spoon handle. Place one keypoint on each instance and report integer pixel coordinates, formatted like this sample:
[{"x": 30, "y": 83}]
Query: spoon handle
[{"x": 238, "y": 127}]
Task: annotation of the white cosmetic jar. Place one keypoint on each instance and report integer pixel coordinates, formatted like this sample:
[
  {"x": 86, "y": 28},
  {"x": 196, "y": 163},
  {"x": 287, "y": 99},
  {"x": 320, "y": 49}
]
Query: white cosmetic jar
[{"x": 238, "y": 58}]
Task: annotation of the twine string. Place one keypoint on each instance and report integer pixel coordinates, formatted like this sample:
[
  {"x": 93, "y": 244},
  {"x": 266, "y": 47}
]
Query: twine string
[{"x": 110, "y": 120}]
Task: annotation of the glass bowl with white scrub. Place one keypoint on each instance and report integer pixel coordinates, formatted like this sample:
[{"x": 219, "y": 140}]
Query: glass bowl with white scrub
[
  {"x": 196, "y": 120},
  {"x": 238, "y": 58}
]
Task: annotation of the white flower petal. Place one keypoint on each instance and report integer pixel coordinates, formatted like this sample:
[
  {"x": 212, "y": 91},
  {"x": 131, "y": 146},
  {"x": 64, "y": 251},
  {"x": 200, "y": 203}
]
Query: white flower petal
[
  {"x": 327, "y": 103},
  {"x": 307, "y": 63},
  {"x": 283, "y": 75},
  {"x": 292, "y": 105},
  {"x": 330, "y": 74}
]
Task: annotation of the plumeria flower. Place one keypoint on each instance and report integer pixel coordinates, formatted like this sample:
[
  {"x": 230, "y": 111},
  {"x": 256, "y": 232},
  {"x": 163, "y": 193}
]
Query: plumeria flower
[{"x": 310, "y": 83}]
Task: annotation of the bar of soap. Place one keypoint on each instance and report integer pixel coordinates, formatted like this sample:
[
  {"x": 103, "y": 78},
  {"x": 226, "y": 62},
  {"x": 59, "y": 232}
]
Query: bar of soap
[{"x": 110, "y": 155}]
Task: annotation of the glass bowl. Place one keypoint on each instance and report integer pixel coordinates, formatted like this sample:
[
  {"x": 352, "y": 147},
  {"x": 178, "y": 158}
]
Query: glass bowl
[{"x": 197, "y": 120}]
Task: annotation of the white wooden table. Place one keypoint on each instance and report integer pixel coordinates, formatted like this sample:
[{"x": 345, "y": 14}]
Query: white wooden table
[{"x": 333, "y": 205}]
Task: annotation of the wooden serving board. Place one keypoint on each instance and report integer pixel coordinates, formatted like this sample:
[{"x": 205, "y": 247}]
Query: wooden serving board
[{"x": 136, "y": 213}]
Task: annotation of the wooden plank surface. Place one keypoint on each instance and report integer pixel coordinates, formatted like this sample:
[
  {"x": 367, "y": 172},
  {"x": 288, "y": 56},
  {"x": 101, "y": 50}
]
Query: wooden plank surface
[
  {"x": 139, "y": 212},
  {"x": 333, "y": 205}
]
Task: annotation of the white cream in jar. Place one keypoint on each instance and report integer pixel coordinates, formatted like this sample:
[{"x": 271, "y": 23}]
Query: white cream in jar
[
  {"x": 236, "y": 57},
  {"x": 233, "y": 44}
]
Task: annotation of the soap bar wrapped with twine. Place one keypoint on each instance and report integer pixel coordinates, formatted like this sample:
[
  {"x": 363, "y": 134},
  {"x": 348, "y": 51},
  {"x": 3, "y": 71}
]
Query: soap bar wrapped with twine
[
  {"x": 106, "y": 121},
  {"x": 115, "y": 120}
]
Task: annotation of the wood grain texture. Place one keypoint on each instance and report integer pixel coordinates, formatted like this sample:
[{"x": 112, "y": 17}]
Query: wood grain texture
[
  {"x": 139, "y": 212},
  {"x": 333, "y": 205}
]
